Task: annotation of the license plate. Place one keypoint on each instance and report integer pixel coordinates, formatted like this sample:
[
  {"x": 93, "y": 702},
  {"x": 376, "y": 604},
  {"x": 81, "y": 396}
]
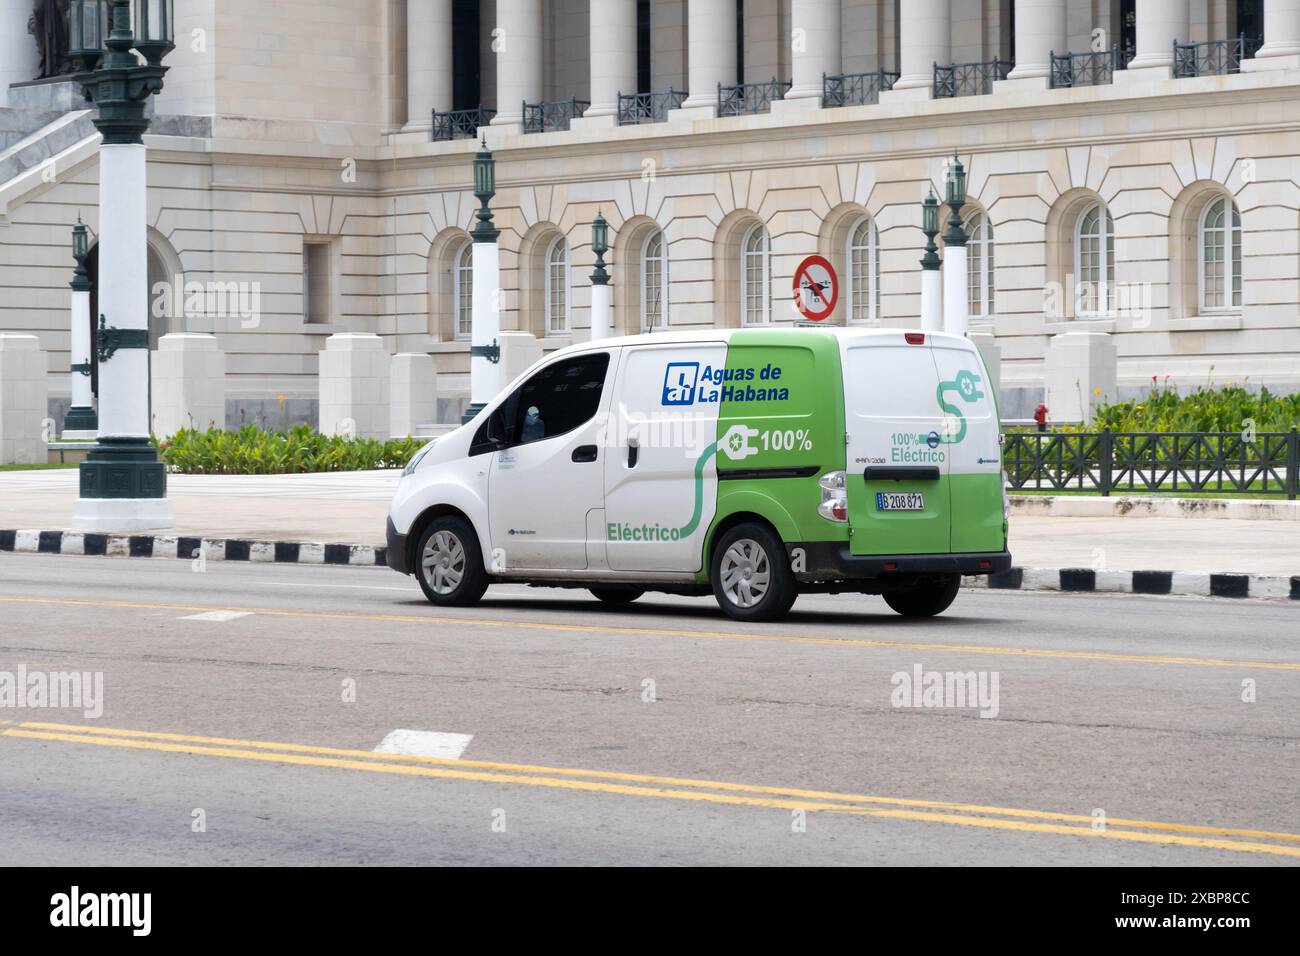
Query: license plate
[{"x": 900, "y": 501}]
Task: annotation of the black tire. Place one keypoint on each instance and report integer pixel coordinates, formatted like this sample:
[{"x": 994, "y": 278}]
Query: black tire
[
  {"x": 616, "y": 595},
  {"x": 755, "y": 552},
  {"x": 449, "y": 547},
  {"x": 925, "y": 601}
]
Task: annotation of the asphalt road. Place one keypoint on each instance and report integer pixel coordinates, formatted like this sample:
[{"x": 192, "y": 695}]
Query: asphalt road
[{"x": 661, "y": 733}]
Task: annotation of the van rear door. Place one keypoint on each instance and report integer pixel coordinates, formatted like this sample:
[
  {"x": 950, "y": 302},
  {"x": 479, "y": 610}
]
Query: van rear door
[
  {"x": 974, "y": 453},
  {"x": 897, "y": 458}
]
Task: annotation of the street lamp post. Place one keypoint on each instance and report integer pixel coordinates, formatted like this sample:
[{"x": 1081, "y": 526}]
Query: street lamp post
[
  {"x": 602, "y": 295},
  {"x": 931, "y": 280},
  {"x": 485, "y": 321},
  {"x": 80, "y": 422},
  {"x": 954, "y": 245},
  {"x": 123, "y": 484}
]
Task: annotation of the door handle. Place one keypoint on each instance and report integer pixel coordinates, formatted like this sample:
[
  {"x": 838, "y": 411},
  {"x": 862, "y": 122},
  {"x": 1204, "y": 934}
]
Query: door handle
[
  {"x": 584, "y": 453},
  {"x": 633, "y": 453}
]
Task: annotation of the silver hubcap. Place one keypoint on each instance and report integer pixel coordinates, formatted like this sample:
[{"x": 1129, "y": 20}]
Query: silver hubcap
[
  {"x": 443, "y": 562},
  {"x": 745, "y": 572}
]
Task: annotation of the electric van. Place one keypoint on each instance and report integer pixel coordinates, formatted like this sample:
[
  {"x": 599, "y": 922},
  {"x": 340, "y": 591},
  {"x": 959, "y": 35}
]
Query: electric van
[{"x": 752, "y": 464}]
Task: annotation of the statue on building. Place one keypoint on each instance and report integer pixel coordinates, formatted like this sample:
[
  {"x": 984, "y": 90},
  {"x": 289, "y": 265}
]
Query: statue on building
[{"x": 49, "y": 25}]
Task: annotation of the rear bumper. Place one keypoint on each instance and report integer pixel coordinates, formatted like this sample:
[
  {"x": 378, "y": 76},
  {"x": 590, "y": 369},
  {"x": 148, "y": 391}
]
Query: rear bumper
[
  {"x": 832, "y": 561},
  {"x": 396, "y": 549}
]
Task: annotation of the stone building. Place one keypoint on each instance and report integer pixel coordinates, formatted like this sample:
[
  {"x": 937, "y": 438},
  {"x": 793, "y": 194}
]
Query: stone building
[{"x": 310, "y": 174}]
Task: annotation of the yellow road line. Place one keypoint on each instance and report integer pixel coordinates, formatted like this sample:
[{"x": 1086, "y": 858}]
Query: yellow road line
[
  {"x": 664, "y": 788},
  {"x": 614, "y": 629}
]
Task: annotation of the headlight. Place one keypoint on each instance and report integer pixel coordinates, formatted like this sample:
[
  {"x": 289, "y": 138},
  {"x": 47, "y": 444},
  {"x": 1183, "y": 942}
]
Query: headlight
[{"x": 415, "y": 459}]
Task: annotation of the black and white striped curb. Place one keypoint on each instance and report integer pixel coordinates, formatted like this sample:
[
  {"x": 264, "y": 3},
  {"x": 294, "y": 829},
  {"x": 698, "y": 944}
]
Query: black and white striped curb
[
  {"x": 191, "y": 548},
  {"x": 1090, "y": 580},
  {"x": 1075, "y": 580}
]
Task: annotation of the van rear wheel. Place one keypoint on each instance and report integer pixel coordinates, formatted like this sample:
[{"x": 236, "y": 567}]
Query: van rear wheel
[
  {"x": 616, "y": 595},
  {"x": 927, "y": 600},
  {"x": 751, "y": 575},
  {"x": 449, "y": 563}
]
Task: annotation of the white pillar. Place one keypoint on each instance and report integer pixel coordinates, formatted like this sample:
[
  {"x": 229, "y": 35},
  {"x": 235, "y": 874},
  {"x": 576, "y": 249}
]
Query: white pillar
[
  {"x": 22, "y": 400},
  {"x": 1079, "y": 373},
  {"x": 815, "y": 34},
  {"x": 931, "y": 300},
  {"x": 83, "y": 399},
  {"x": 189, "y": 383},
  {"x": 954, "y": 290},
  {"x": 123, "y": 378},
  {"x": 1281, "y": 34},
  {"x": 428, "y": 61},
  {"x": 602, "y": 310},
  {"x": 1040, "y": 31},
  {"x": 711, "y": 33},
  {"x": 20, "y": 60},
  {"x": 519, "y": 58},
  {"x": 414, "y": 393},
  {"x": 485, "y": 376},
  {"x": 613, "y": 55},
  {"x": 354, "y": 386},
  {"x": 1159, "y": 24},
  {"x": 924, "y": 40}
]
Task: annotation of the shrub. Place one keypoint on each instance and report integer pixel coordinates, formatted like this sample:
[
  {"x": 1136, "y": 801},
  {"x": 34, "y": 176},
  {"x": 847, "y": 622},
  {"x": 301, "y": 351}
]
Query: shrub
[
  {"x": 254, "y": 451},
  {"x": 1225, "y": 409}
]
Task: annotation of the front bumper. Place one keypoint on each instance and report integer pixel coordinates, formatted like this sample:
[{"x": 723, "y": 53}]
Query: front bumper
[
  {"x": 397, "y": 555},
  {"x": 833, "y": 561}
]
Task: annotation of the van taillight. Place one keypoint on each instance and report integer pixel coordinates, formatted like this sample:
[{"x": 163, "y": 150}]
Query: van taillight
[
  {"x": 914, "y": 338},
  {"x": 891, "y": 566},
  {"x": 834, "y": 505}
]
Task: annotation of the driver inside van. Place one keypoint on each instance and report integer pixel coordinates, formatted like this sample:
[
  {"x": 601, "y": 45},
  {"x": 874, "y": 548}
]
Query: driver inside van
[{"x": 533, "y": 428}]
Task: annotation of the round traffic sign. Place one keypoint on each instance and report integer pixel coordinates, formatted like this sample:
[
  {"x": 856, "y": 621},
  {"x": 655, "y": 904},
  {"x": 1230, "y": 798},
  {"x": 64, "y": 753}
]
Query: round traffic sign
[{"x": 816, "y": 288}]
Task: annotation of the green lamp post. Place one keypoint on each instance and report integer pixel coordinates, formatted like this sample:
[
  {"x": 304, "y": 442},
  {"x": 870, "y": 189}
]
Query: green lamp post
[
  {"x": 123, "y": 484},
  {"x": 602, "y": 296},
  {"x": 954, "y": 243},
  {"x": 931, "y": 281},
  {"x": 485, "y": 321},
  {"x": 80, "y": 422}
]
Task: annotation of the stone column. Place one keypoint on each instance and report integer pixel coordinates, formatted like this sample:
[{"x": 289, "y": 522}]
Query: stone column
[
  {"x": 189, "y": 383},
  {"x": 1159, "y": 24},
  {"x": 815, "y": 28},
  {"x": 485, "y": 327},
  {"x": 955, "y": 319},
  {"x": 22, "y": 400},
  {"x": 711, "y": 33},
  {"x": 924, "y": 40},
  {"x": 429, "y": 54},
  {"x": 931, "y": 299},
  {"x": 519, "y": 58},
  {"x": 354, "y": 386},
  {"x": 1281, "y": 49},
  {"x": 413, "y": 393},
  {"x": 613, "y": 55},
  {"x": 1040, "y": 31},
  {"x": 1079, "y": 373},
  {"x": 20, "y": 60}
]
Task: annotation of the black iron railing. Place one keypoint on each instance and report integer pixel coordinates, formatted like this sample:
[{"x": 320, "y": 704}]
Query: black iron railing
[
  {"x": 969, "y": 79},
  {"x": 460, "y": 124},
  {"x": 855, "y": 89},
  {"x": 1105, "y": 462},
  {"x": 637, "y": 108},
  {"x": 1085, "y": 69},
  {"x": 745, "y": 99},
  {"x": 1213, "y": 57},
  {"x": 554, "y": 116}
]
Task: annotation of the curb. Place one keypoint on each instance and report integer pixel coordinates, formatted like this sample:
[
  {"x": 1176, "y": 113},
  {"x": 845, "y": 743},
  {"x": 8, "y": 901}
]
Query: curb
[
  {"x": 1128, "y": 506},
  {"x": 190, "y": 548},
  {"x": 1188, "y": 583},
  {"x": 1073, "y": 580}
]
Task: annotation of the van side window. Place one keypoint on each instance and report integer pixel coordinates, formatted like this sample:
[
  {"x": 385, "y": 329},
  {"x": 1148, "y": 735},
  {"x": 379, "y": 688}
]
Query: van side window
[{"x": 555, "y": 400}]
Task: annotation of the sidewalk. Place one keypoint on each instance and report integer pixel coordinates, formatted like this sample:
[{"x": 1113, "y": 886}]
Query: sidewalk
[{"x": 351, "y": 508}]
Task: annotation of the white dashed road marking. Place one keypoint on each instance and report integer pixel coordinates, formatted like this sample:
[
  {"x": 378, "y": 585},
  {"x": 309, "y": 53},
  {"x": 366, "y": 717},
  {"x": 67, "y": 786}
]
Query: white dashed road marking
[
  {"x": 424, "y": 743},
  {"x": 217, "y": 616}
]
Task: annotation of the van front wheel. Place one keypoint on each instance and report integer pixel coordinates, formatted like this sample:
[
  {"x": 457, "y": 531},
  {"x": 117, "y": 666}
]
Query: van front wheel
[
  {"x": 925, "y": 601},
  {"x": 449, "y": 563},
  {"x": 751, "y": 574}
]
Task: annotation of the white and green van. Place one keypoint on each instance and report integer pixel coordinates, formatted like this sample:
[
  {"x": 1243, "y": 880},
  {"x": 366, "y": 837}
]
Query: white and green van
[{"x": 749, "y": 463}]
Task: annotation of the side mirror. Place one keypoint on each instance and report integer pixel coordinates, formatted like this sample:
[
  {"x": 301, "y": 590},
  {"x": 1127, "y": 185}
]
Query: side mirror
[{"x": 496, "y": 432}]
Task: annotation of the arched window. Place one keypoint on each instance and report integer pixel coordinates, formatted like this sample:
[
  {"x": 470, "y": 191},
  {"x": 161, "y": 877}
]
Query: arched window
[
  {"x": 755, "y": 277},
  {"x": 1094, "y": 261},
  {"x": 1219, "y": 242},
  {"x": 557, "y": 287},
  {"x": 979, "y": 265},
  {"x": 863, "y": 257},
  {"x": 654, "y": 283},
  {"x": 462, "y": 290}
]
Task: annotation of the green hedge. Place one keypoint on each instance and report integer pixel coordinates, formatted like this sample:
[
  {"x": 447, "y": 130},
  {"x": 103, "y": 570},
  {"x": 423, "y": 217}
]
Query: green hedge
[
  {"x": 254, "y": 451},
  {"x": 1224, "y": 409}
]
